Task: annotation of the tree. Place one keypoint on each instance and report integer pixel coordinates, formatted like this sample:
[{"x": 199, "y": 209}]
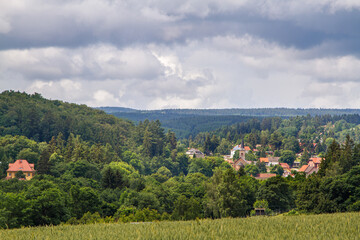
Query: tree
[
  {"x": 252, "y": 170},
  {"x": 19, "y": 174},
  {"x": 261, "y": 166},
  {"x": 277, "y": 193},
  {"x": 288, "y": 157},
  {"x": 113, "y": 178},
  {"x": 83, "y": 200},
  {"x": 275, "y": 140},
  {"x": 277, "y": 169}
]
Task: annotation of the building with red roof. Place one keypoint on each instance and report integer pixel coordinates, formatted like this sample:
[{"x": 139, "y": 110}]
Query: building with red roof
[
  {"x": 21, "y": 165},
  {"x": 264, "y": 176}
]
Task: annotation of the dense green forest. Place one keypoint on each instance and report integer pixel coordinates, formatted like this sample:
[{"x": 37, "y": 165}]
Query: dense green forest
[
  {"x": 186, "y": 122},
  {"x": 95, "y": 167}
]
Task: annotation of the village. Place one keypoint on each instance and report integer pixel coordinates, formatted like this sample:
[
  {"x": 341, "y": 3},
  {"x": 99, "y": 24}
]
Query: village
[{"x": 237, "y": 159}]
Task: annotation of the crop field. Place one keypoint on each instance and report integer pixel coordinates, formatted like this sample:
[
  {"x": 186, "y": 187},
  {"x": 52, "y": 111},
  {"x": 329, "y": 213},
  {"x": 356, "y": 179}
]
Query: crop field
[{"x": 326, "y": 226}]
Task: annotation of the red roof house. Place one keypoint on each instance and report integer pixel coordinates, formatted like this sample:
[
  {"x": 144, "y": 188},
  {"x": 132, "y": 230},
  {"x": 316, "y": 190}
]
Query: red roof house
[
  {"x": 264, "y": 176},
  {"x": 21, "y": 165}
]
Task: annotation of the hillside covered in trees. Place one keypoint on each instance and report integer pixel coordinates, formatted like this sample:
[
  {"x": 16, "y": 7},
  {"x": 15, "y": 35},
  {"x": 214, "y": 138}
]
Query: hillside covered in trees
[
  {"x": 186, "y": 122},
  {"x": 94, "y": 167}
]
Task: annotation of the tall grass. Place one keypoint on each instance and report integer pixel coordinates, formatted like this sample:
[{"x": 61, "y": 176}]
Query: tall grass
[{"x": 326, "y": 226}]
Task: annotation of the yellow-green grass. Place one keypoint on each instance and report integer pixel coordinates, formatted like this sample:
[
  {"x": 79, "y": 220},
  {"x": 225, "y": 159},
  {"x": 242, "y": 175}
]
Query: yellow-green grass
[{"x": 326, "y": 226}]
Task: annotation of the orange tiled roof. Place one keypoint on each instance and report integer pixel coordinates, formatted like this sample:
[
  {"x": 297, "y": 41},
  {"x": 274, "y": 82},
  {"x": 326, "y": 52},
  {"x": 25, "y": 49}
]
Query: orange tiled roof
[
  {"x": 247, "y": 148},
  {"x": 285, "y": 165},
  {"x": 316, "y": 160},
  {"x": 263, "y": 176},
  {"x": 265, "y": 160},
  {"x": 303, "y": 168},
  {"x": 21, "y": 165}
]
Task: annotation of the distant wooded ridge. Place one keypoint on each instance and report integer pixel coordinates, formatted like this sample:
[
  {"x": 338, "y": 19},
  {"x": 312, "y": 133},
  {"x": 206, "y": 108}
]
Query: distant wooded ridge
[
  {"x": 186, "y": 122},
  {"x": 265, "y": 112}
]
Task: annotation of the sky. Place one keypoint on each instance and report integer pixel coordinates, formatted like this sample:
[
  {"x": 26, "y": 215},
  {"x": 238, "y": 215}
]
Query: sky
[{"x": 155, "y": 54}]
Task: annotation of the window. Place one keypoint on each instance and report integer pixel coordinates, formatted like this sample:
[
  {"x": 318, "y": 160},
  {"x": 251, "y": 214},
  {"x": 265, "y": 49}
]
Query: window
[{"x": 28, "y": 174}]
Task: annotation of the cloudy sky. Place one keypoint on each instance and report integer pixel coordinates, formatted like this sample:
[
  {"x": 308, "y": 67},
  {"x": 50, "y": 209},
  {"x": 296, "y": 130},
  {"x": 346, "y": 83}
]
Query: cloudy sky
[{"x": 152, "y": 54}]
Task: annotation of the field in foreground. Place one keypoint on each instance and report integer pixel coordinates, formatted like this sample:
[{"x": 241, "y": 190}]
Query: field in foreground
[{"x": 326, "y": 226}]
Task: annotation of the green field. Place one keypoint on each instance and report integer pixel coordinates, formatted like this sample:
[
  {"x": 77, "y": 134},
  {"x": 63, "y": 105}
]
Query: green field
[{"x": 326, "y": 226}]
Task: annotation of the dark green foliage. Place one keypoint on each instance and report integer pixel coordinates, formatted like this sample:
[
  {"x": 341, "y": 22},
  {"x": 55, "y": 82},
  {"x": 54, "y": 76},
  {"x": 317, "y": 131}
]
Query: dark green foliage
[
  {"x": 113, "y": 178},
  {"x": 287, "y": 156},
  {"x": 277, "y": 193},
  {"x": 19, "y": 174}
]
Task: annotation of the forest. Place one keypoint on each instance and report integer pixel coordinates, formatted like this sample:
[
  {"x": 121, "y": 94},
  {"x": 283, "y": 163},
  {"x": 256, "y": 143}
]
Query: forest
[
  {"x": 186, "y": 122},
  {"x": 95, "y": 167}
]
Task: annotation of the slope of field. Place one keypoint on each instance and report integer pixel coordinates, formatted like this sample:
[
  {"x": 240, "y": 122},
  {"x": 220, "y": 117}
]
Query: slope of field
[{"x": 326, "y": 226}]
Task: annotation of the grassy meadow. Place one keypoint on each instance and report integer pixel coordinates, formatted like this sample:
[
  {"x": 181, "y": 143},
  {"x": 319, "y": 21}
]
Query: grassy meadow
[{"x": 326, "y": 226}]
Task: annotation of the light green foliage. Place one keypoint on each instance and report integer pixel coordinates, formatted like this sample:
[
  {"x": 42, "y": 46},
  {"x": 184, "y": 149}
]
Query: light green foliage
[{"x": 333, "y": 226}]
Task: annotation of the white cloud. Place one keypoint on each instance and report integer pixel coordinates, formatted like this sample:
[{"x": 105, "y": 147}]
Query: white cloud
[{"x": 197, "y": 54}]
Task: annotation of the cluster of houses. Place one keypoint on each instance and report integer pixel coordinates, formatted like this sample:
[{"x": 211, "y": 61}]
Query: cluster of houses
[{"x": 240, "y": 161}]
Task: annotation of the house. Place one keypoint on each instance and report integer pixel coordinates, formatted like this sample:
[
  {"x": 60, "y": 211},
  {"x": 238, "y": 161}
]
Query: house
[
  {"x": 312, "y": 166},
  {"x": 195, "y": 152},
  {"x": 285, "y": 166},
  {"x": 236, "y": 163},
  {"x": 270, "y": 161},
  {"x": 296, "y": 164},
  {"x": 264, "y": 176},
  {"x": 315, "y": 161},
  {"x": 21, "y": 165}
]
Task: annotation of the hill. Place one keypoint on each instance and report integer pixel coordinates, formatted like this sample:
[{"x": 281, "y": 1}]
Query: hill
[
  {"x": 186, "y": 122},
  {"x": 40, "y": 119}
]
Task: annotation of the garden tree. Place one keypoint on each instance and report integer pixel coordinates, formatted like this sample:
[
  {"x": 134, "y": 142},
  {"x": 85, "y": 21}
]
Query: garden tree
[
  {"x": 250, "y": 156},
  {"x": 277, "y": 193},
  {"x": 19, "y": 174},
  {"x": 236, "y": 155},
  {"x": 252, "y": 170},
  {"x": 288, "y": 157},
  {"x": 304, "y": 157},
  {"x": 83, "y": 200},
  {"x": 277, "y": 169},
  {"x": 261, "y": 166}
]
